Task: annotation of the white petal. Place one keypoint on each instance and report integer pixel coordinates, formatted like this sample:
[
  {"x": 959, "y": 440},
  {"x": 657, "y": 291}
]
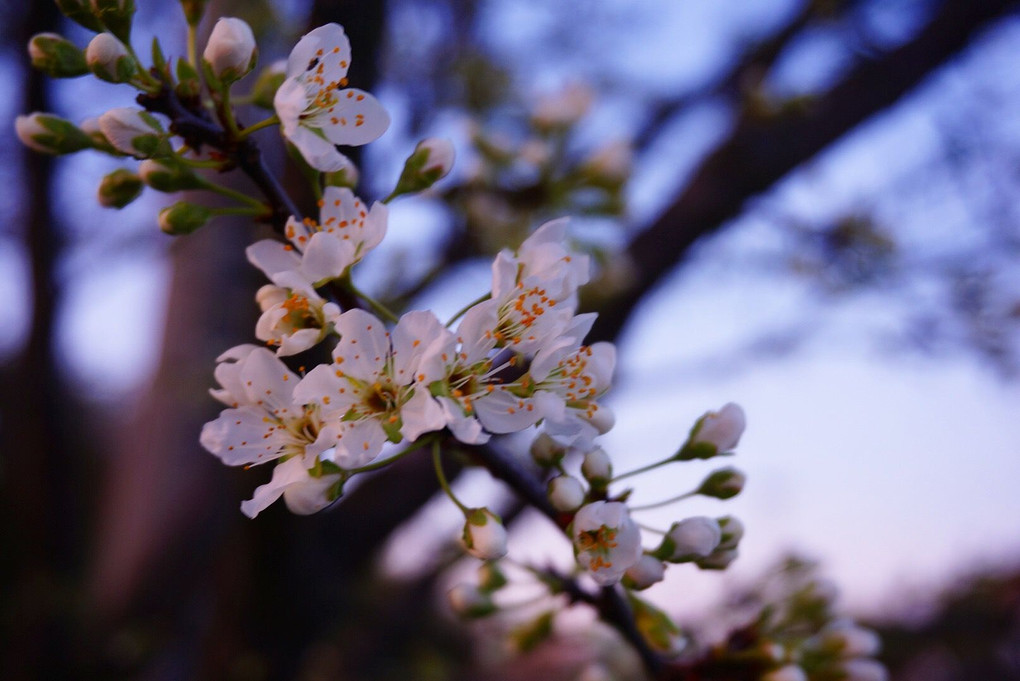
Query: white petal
[
  {"x": 299, "y": 341},
  {"x": 465, "y": 428},
  {"x": 317, "y": 151},
  {"x": 357, "y": 118},
  {"x": 288, "y": 473},
  {"x": 364, "y": 345},
  {"x": 323, "y": 387},
  {"x": 420, "y": 414},
  {"x": 272, "y": 257},
  {"x": 361, "y": 443},
  {"x": 326, "y": 257},
  {"x": 414, "y": 333},
  {"x": 309, "y": 496},
  {"x": 268, "y": 381},
  {"x": 501, "y": 412},
  {"x": 325, "y": 38},
  {"x": 241, "y": 436}
]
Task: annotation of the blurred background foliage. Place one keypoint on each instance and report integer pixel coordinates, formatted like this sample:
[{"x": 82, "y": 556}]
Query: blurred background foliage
[{"x": 122, "y": 554}]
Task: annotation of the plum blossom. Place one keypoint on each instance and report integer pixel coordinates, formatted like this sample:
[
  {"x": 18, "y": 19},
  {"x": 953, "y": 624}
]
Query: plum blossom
[
  {"x": 264, "y": 421},
  {"x": 606, "y": 540},
  {"x": 294, "y": 317},
  {"x": 323, "y": 249},
  {"x": 303, "y": 492},
  {"x": 315, "y": 113},
  {"x": 376, "y": 387}
]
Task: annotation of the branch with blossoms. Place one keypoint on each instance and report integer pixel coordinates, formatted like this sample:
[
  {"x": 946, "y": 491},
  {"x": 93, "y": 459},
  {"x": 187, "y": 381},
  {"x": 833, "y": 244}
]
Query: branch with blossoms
[{"x": 404, "y": 383}]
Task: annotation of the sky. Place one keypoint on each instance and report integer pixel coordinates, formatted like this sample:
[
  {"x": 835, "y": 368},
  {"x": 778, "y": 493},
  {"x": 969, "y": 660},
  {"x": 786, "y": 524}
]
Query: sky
[{"x": 896, "y": 470}]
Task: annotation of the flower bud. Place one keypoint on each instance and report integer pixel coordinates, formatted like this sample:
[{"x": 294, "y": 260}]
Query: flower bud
[
  {"x": 132, "y": 131},
  {"x": 56, "y": 56},
  {"x": 231, "y": 51},
  {"x": 790, "y": 672},
  {"x": 168, "y": 175},
  {"x": 50, "y": 134},
  {"x": 183, "y": 218},
  {"x": 268, "y": 82},
  {"x": 565, "y": 493},
  {"x": 80, "y": 12},
  {"x": 119, "y": 188},
  {"x": 116, "y": 16},
  {"x": 863, "y": 669},
  {"x": 430, "y": 161},
  {"x": 610, "y": 166},
  {"x": 596, "y": 468},
  {"x": 714, "y": 433},
  {"x": 724, "y": 483},
  {"x": 646, "y": 571},
  {"x": 467, "y": 600},
  {"x": 719, "y": 559},
  {"x": 690, "y": 539},
  {"x": 564, "y": 108},
  {"x": 109, "y": 60},
  {"x": 484, "y": 536},
  {"x": 732, "y": 532},
  {"x": 546, "y": 451}
]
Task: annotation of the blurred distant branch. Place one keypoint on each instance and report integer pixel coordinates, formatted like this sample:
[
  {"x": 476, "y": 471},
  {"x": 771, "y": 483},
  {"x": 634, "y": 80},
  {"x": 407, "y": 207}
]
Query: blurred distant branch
[{"x": 763, "y": 148}]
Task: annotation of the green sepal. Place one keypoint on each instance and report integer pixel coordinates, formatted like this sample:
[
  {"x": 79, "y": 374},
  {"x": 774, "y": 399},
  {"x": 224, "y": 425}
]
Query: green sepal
[
  {"x": 392, "y": 430},
  {"x": 188, "y": 84},
  {"x": 81, "y": 13},
  {"x": 658, "y": 630},
  {"x": 490, "y": 577},
  {"x": 65, "y": 137},
  {"x": 158, "y": 58},
  {"x": 336, "y": 490},
  {"x": 183, "y": 218}
]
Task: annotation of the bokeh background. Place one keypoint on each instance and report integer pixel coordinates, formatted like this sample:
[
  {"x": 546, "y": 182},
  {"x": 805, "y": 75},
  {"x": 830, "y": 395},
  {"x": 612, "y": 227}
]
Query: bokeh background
[{"x": 822, "y": 223}]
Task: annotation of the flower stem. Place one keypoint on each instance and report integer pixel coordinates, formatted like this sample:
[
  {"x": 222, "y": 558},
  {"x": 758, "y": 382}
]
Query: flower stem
[
  {"x": 643, "y": 469},
  {"x": 272, "y": 120},
  {"x": 234, "y": 194},
  {"x": 239, "y": 210},
  {"x": 376, "y": 306},
  {"x": 667, "y": 502},
  {"x": 437, "y": 462},
  {"x": 192, "y": 49},
  {"x": 463, "y": 310}
]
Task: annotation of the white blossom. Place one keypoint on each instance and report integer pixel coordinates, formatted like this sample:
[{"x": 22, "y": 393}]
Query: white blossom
[
  {"x": 323, "y": 249},
  {"x": 606, "y": 540},
  {"x": 376, "y": 387},
  {"x": 316, "y": 110},
  {"x": 484, "y": 535},
  {"x": 294, "y": 317}
]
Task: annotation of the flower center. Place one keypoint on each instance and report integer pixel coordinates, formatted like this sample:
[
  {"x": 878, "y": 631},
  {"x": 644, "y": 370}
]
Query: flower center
[{"x": 598, "y": 543}]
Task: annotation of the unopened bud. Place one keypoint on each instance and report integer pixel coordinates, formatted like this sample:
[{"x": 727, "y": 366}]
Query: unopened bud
[
  {"x": 431, "y": 160},
  {"x": 168, "y": 175},
  {"x": 565, "y": 493},
  {"x": 56, "y": 56},
  {"x": 790, "y": 672},
  {"x": 80, "y": 12},
  {"x": 564, "y": 108},
  {"x": 714, "y": 433},
  {"x": 132, "y": 131},
  {"x": 597, "y": 469},
  {"x": 646, "y": 571},
  {"x": 231, "y": 51},
  {"x": 116, "y": 16},
  {"x": 690, "y": 539},
  {"x": 484, "y": 536},
  {"x": 467, "y": 600},
  {"x": 50, "y": 134},
  {"x": 724, "y": 483},
  {"x": 183, "y": 218},
  {"x": 268, "y": 82},
  {"x": 119, "y": 188},
  {"x": 109, "y": 60},
  {"x": 546, "y": 451}
]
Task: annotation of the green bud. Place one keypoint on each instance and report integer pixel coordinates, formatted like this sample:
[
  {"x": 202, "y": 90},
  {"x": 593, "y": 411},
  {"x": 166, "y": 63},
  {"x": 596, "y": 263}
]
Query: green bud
[
  {"x": 431, "y": 160},
  {"x": 116, "y": 15},
  {"x": 193, "y": 10},
  {"x": 527, "y": 636},
  {"x": 119, "y": 188},
  {"x": 80, "y": 12},
  {"x": 134, "y": 132},
  {"x": 546, "y": 452},
  {"x": 50, "y": 134},
  {"x": 597, "y": 469},
  {"x": 732, "y": 532},
  {"x": 266, "y": 85},
  {"x": 168, "y": 175},
  {"x": 724, "y": 483},
  {"x": 183, "y": 218},
  {"x": 56, "y": 56}
]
